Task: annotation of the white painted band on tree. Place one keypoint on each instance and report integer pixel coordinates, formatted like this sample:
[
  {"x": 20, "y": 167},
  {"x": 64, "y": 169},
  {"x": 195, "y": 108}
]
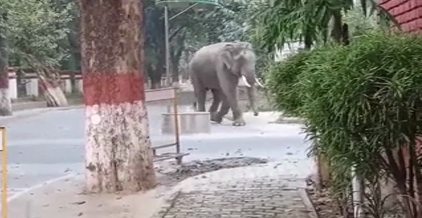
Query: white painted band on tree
[{"x": 95, "y": 119}]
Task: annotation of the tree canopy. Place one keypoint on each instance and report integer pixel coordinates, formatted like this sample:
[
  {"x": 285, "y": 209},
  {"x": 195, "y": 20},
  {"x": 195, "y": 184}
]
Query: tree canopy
[
  {"x": 35, "y": 30},
  {"x": 45, "y": 33},
  {"x": 311, "y": 21}
]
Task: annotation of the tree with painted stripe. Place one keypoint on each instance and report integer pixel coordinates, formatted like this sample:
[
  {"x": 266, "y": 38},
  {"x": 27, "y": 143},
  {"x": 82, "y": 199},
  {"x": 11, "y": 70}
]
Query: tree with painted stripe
[
  {"x": 118, "y": 147},
  {"x": 5, "y": 102}
]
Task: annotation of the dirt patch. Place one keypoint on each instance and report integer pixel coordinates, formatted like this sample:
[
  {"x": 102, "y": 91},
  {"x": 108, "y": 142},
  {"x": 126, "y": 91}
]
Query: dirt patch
[
  {"x": 169, "y": 173},
  {"x": 324, "y": 205},
  {"x": 327, "y": 207}
]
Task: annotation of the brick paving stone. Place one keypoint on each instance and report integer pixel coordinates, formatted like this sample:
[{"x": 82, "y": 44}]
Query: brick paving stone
[{"x": 244, "y": 197}]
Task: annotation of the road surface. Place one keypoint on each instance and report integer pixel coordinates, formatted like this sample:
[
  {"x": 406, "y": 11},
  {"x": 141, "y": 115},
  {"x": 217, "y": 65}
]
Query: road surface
[{"x": 50, "y": 145}]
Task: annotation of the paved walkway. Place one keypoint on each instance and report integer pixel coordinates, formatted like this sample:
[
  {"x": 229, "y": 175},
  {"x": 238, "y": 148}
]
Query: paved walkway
[
  {"x": 266, "y": 191},
  {"x": 260, "y": 191}
]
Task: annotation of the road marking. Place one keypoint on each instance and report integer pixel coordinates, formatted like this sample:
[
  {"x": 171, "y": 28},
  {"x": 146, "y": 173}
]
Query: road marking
[{"x": 40, "y": 185}]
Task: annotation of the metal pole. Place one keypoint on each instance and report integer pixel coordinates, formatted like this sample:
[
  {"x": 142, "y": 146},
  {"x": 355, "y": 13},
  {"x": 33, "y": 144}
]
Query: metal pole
[
  {"x": 357, "y": 194},
  {"x": 176, "y": 120},
  {"x": 180, "y": 13},
  {"x": 167, "y": 38},
  {"x": 166, "y": 33}
]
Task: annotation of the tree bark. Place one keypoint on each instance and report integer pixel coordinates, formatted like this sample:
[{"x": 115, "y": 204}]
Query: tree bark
[
  {"x": 324, "y": 171},
  {"x": 154, "y": 73},
  {"x": 5, "y": 102},
  {"x": 185, "y": 72},
  {"x": 337, "y": 31},
  {"x": 118, "y": 147},
  {"x": 176, "y": 55}
]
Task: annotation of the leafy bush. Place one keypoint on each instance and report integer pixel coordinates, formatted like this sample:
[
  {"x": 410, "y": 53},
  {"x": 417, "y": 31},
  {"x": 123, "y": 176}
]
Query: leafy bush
[
  {"x": 362, "y": 103},
  {"x": 282, "y": 80},
  {"x": 366, "y": 97}
]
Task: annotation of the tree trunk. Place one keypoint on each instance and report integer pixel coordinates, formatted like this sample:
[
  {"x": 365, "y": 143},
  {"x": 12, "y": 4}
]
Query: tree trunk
[
  {"x": 185, "y": 73},
  {"x": 337, "y": 31},
  {"x": 5, "y": 102},
  {"x": 324, "y": 170},
  {"x": 175, "y": 70},
  {"x": 176, "y": 55},
  {"x": 154, "y": 76},
  {"x": 414, "y": 166},
  {"x": 118, "y": 147},
  {"x": 155, "y": 82},
  {"x": 158, "y": 72}
]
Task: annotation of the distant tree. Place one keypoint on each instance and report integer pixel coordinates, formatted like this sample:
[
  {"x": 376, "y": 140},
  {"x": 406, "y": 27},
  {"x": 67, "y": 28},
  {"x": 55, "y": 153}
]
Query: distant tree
[
  {"x": 5, "y": 103},
  {"x": 188, "y": 32}
]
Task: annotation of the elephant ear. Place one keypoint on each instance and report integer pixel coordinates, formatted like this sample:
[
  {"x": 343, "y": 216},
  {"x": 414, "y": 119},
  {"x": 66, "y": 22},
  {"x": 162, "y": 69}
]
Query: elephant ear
[
  {"x": 227, "y": 56},
  {"x": 231, "y": 54}
]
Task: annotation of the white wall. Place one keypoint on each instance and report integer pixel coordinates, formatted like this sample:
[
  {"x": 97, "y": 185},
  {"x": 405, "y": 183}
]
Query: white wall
[{"x": 287, "y": 49}]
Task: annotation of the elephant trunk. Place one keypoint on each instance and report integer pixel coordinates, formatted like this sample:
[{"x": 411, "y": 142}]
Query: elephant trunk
[
  {"x": 248, "y": 75},
  {"x": 250, "y": 79},
  {"x": 251, "y": 95}
]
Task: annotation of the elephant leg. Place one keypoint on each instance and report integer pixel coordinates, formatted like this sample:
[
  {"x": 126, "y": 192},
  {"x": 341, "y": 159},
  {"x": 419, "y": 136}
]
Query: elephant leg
[
  {"x": 215, "y": 104},
  {"x": 224, "y": 109},
  {"x": 230, "y": 91},
  {"x": 200, "y": 98},
  {"x": 199, "y": 92}
]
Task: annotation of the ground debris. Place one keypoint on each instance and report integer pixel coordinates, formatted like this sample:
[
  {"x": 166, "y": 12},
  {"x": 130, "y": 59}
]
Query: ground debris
[
  {"x": 170, "y": 173},
  {"x": 324, "y": 205}
]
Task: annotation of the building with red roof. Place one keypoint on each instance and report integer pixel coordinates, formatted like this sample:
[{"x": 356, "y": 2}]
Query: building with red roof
[{"x": 408, "y": 13}]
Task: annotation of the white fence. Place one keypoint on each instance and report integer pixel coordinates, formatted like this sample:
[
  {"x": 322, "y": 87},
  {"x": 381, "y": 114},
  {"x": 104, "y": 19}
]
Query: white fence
[{"x": 28, "y": 84}]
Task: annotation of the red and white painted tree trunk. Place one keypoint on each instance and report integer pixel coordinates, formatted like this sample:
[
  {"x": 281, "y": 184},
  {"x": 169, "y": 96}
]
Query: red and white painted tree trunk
[
  {"x": 5, "y": 102},
  {"x": 118, "y": 148}
]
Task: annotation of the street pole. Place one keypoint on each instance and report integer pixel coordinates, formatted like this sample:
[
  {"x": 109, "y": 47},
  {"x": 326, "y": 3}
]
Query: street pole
[{"x": 166, "y": 35}]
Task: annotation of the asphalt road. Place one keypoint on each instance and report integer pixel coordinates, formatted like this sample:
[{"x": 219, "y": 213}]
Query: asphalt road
[{"x": 46, "y": 146}]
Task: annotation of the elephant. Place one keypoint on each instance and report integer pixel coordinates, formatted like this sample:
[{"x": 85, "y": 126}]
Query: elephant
[{"x": 218, "y": 68}]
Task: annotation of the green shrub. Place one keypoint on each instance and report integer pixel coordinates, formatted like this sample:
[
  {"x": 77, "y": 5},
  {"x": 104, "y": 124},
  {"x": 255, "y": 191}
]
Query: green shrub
[
  {"x": 366, "y": 97},
  {"x": 365, "y": 100},
  {"x": 282, "y": 79},
  {"x": 359, "y": 101}
]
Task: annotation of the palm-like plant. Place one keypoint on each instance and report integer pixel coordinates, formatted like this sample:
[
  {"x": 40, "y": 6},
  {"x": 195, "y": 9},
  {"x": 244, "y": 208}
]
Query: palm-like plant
[{"x": 311, "y": 21}]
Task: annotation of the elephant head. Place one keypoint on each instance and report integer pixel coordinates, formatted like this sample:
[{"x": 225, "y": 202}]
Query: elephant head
[{"x": 240, "y": 59}]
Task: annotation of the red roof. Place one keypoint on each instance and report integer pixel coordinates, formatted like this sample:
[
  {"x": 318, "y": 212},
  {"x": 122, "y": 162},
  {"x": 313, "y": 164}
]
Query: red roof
[{"x": 407, "y": 12}]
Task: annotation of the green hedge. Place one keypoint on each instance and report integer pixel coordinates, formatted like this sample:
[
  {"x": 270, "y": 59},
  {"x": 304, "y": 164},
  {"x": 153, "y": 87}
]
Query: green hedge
[
  {"x": 357, "y": 100},
  {"x": 282, "y": 82}
]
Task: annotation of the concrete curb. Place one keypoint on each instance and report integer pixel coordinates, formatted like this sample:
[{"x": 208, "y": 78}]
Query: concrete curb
[
  {"x": 289, "y": 120},
  {"x": 27, "y": 113},
  {"x": 308, "y": 202},
  {"x": 20, "y": 106}
]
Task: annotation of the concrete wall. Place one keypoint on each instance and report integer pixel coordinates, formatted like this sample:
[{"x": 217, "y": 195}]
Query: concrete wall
[
  {"x": 29, "y": 86},
  {"x": 288, "y": 48}
]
